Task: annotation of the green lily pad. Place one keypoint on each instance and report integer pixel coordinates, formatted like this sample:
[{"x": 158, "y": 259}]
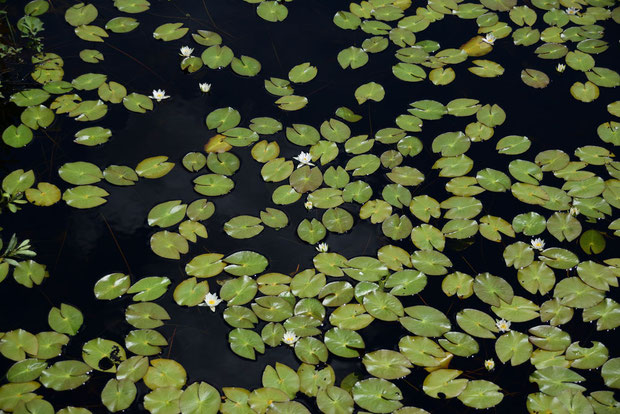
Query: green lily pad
[
  {"x": 165, "y": 373},
  {"x": 292, "y": 102},
  {"x": 245, "y": 263},
  {"x": 102, "y": 354},
  {"x": 302, "y": 73},
  {"x": 481, "y": 394},
  {"x": 369, "y": 91},
  {"x": 145, "y": 342},
  {"x": 146, "y": 315},
  {"x": 170, "y": 31},
  {"x": 169, "y": 244},
  {"x": 17, "y": 137},
  {"x": 387, "y": 364},
  {"x": 444, "y": 381},
  {"x": 149, "y": 288},
  {"x": 200, "y": 398},
  {"x": 377, "y": 395},
  {"x": 246, "y": 343},
  {"x": 66, "y": 319},
  {"x": 425, "y": 321},
  {"x": 213, "y": 184},
  {"x": 65, "y": 375},
  {"x": 118, "y": 395},
  {"x": 92, "y": 136},
  {"x": 272, "y": 11}
]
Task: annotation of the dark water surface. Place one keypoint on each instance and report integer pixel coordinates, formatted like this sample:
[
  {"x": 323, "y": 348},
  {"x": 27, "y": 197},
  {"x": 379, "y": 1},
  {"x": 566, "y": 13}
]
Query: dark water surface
[{"x": 79, "y": 247}]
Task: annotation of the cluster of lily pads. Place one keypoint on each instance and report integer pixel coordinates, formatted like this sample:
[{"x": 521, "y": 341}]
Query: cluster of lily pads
[{"x": 552, "y": 240}]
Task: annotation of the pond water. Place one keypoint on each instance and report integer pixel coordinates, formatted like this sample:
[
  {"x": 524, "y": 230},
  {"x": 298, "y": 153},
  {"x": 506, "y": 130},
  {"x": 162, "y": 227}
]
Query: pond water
[{"x": 81, "y": 246}]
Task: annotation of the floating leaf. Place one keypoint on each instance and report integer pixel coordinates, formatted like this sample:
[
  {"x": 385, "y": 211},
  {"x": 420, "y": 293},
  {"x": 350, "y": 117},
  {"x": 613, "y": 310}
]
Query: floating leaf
[
  {"x": 65, "y": 375},
  {"x": 444, "y": 381},
  {"x": 377, "y": 395},
  {"x": 369, "y": 91},
  {"x": 170, "y": 31}
]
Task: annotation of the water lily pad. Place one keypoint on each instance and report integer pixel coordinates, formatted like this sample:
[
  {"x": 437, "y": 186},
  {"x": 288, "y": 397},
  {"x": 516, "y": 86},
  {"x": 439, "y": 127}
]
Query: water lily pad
[
  {"x": 149, "y": 288},
  {"x": 425, "y": 321},
  {"x": 292, "y": 102},
  {"x": 213, "y": 185},
  {"x": 377, "y": 395},
  {"x": 481, "y": 394},
  {"x": 163, "y": 400},
  {"x": 16, "y": 344},
  {"x": 272, "y": 11},
  {"x": 169, "y": 244},
  {"x": 557, "y": 380},
  {"x": 122, "y": 24},
  {"x": 334, "y": 400},
  {"x": 243, "y": 227},
  {"x": 103, "y": 354},
  {"x": 146, "y": 315},
  {"x": 44, "y": 195},
  {"x": 352, "y": 57},
  {"x": 239, "y": 291},
  {"x": 278, "y": 87},
  {"x": 476, "y": 323},
  {"x": 444, "y": 381},
  {"x": 302, "y": 73},
  {"x": 245, "y": 263},
  {"x": 17, "y": 137},
  {"x": 584, "y": 92},
  {"x": 245, "y": 66},
  {"x": 12, "y": 394},
  {"x": 170, "y": 31},
  {"x": 118, "y": 395},
  {"x": 18, "y": 181},
  {"x": 369, "y": 91},
  {"x": 92, "y": 136},
  {"x": 587, "y": 357},
  {"x": 408, "y": 72},
  {"x": 246, "y": 343},
  {"x": 200, "y": 398},
  {"x": 165, "y": 373},
  {"x": 486, "y": 68},
  {"x": 65, "y": 375},
  {"x": 344, "y": 342},
  {"x": 592, "y": 242},
  {"x": 91, "y": 33},
  {"x": 223, "y": 119},
  {"x": 387, "y": 364},
  {"x": 80, "y": 14},
  {"x": 139, "y": 103},
  {"x": 37, "y": 116},
  {"x": 112, "y": 286}
]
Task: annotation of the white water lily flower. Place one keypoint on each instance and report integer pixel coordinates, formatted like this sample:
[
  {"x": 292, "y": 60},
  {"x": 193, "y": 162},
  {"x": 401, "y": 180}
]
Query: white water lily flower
[
  {"x": 489, "y": 364},
  {"x": 204, "y": 87},
  {"x": 211, "y": 300},
  {"x": 538, "y": 244},
  {"x": 574, "y": 211},
  {"x": 308, "y": 205},
  {"x": 322, "y": 247},
  {"x": 572, "y": 10},
  {"x": 503, "y": 325},
  {"x": 289, "y": 338},
  {"x": 304, "y": 158},
  {"x": 159, "y": 95},
  {"x": 560, "y": 67},
  {"x": 489, "y": 39},
  {"x": 186, "y": 51}
]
